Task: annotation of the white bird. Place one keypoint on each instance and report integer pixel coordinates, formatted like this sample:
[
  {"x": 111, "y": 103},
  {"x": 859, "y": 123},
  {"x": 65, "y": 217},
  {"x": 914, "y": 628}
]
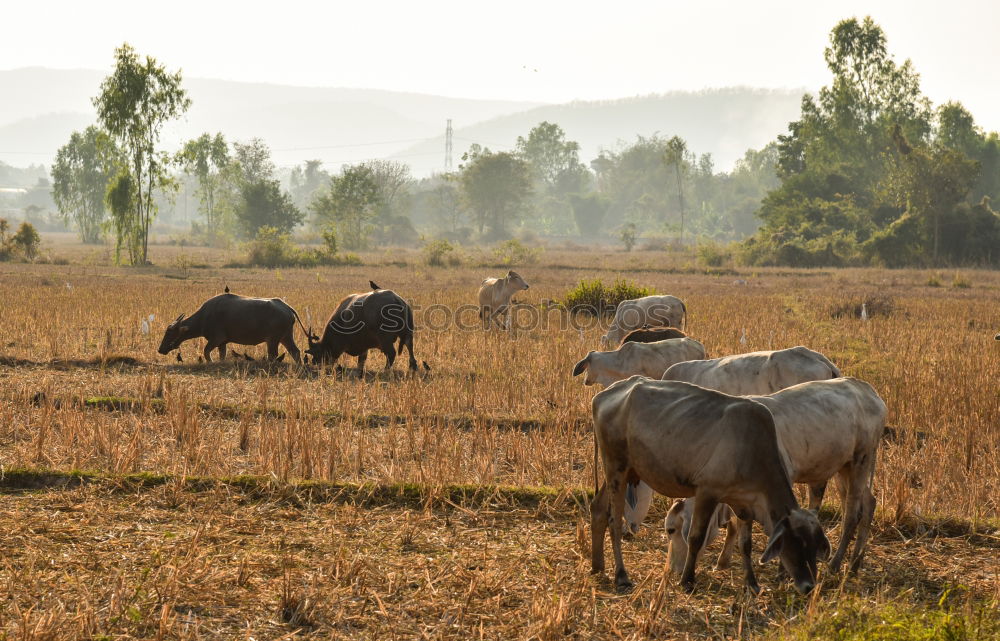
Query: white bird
[
  {"x": 743, "y": 337},
  {"x": 864, "y": 312},
  {"x": 144, "y": 327},
  {"x": 68, "y": 286},
  {"x": 580, "y": 329},
  {"x": 152, "y": 317}
]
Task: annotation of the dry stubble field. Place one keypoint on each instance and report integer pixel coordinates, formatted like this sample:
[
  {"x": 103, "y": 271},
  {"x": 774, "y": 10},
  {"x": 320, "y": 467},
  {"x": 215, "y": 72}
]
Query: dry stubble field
[{"x": 146, "y": 498}]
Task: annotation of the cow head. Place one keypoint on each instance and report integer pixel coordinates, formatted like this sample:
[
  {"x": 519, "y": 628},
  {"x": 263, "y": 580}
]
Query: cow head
[
  {"x": 582, "y": 366},
  {"x": 175, "y": 334},
  {"x": 315, "y": 348},
  {"x": 515, "y": 282},
  {"x": 676, "y": 526},
  {"x": 799, "y": 540}
]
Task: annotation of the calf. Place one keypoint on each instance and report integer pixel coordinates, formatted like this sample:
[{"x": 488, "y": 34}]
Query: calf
[
  {"x": 647, "y": 359},
  {"x": 684, "y": 440},
  {"x": 494, "y": 298}
]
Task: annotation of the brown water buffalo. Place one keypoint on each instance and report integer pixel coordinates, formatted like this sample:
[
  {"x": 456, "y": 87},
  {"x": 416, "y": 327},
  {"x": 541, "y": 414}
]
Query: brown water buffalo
[
  {"x": 229, "y": 318},
  {"x": 652, "y": 334},
  {"x": 373, "y": 320}
]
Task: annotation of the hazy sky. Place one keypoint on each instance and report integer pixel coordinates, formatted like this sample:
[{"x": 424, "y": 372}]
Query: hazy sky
[{"x": 539, "y": 50}]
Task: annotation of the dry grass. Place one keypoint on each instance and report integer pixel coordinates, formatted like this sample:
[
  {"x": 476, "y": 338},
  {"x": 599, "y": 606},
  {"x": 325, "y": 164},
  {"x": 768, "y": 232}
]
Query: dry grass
[{"x": 496, "y": 409}]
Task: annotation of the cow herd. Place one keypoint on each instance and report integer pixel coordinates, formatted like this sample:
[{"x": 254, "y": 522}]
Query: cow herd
[{"x": 727, "y": 438}]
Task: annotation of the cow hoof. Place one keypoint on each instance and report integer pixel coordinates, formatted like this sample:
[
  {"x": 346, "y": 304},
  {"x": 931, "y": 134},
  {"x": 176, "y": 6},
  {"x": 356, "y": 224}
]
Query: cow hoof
[
  {"x": 753, "y": 588},
  {"x": 688, "y": 586},
  {"x": 623, "y": 587}
]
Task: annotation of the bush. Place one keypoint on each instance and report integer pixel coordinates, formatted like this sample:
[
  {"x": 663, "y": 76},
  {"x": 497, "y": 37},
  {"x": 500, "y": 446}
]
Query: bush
[
  {"x": 712, "y": 254},
  {"x": 960, "y": 282},
  {"x": 592, "y": 296},
  {"x": 440, "y": 253},
  {"x": 628, "y": 236},
  {"x": 272, "y": 248},
  {"x": 933, "y": 281},
  {"x": 25, "y": 242},
  {"x": 513, "y": 252}
]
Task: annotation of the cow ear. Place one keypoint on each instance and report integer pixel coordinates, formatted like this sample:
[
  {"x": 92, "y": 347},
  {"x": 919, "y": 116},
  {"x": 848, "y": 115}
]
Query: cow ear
[
  {"x": 823, "y": 547},
  {"x": 510, "y": 273},
  {"x": 183, "y": 329},
  {"x": 774, "y": 544},
  {"x": 581, "y": 366}
]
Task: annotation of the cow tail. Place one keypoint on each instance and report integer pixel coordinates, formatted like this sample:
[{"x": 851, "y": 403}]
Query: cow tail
[
  {"x": 685, "y": 321},
  {"x": 304, "y": 330},
  {"x": 595, "y": 463},
  {"x": 407, "y": 337}
]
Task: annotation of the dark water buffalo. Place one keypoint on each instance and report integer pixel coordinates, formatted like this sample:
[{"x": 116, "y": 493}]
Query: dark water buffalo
[
  {"x": 652, "y": 335},
  {"x": 373, "y": 320},
  {"x": 228, "y": 318}
]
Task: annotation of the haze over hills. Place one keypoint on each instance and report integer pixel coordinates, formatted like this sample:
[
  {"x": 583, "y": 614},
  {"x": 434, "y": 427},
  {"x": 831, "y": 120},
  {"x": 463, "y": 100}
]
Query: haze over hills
[
  {"x": 339, "y": 125},
  {"x": 723, "y": 122}
]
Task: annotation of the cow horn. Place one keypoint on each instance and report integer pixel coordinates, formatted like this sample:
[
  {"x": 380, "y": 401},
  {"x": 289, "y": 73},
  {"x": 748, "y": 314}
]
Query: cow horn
[{"x": 179, "y": 318}]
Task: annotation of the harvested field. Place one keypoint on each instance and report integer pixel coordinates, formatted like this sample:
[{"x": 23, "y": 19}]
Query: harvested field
[{"x": 82, "y": 388}]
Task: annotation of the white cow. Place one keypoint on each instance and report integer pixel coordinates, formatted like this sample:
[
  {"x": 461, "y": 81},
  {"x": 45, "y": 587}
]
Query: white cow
[
  {"x": 825, "y": 429},
  {"x": 655, "y": 311},
  {"x": 494, "y": 298},
  {"x": 756, "y": 372},
  {"x": 739, "y": 375},
  {"x": 645, "y": 359},
  {"x": 686, "y": 440}
]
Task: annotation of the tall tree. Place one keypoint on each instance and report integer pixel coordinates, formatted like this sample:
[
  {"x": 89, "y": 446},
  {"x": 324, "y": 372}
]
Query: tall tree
[
  {"x": 83, "y": 168},
  {"x": 496, "y": 187},
  {"x": 206, "y": 157},
  {"x": 259, "y": 199},
  {"x": 136, "y": 101},
  {"x": 349, "y": 205},
  {"x": 305, "y": 181},
  {"x": 676, "y": 156}
]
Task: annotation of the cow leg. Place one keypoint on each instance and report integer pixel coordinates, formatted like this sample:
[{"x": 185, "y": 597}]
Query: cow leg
[
  {"x": 704, "y": 509},
  {"x": 852, "y": 509},
  {"x": 361, "y": 363},
  {"x": 617, "y": 488},
  {"x": 272, "y": 350},
  {"x": 486, "y": 314},
  {"x": 222, "y": 352},
  {"x": 732, "y": 537},
  {"x": 289, "y": 343},
  {"x": 209, "y": 346},
  {"x": 864, "y": 528},
  {"x": 409, "y": 348},
  {"x": 745, "y": 529},
  {"x": 816, "y": 492},
  {"x": 641, "y": 496},
  {"x": 600, "y": 514},
  {"x": 389, "y": 349}
]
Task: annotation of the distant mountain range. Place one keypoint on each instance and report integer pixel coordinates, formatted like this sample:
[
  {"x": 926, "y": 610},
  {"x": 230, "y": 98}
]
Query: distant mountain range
[{"x": 338, "y": 125}]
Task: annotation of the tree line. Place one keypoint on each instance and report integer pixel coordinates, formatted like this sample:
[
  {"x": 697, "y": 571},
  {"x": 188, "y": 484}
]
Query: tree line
[{"x": 870, "y": 173}]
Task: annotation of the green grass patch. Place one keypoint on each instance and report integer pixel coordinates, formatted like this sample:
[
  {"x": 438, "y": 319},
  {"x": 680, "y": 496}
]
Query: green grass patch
[{"x": 854, "y": 619}]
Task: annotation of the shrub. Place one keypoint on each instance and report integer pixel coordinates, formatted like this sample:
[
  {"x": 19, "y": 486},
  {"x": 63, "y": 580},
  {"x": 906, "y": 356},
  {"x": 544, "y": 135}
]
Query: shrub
[
  {"x": 628, "y": 236},
  {"x": 591, "y": 296},
  {"x": 272, "y": 248},
  {"x": 440, "y": 253},
  {"x": 27, "y": 240},
  {"x": 960, "y": 282},
  {"x": 933, "y": 281},
  {"x": 514, "y": 252},
  {"x": 711, "y": 254}
]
